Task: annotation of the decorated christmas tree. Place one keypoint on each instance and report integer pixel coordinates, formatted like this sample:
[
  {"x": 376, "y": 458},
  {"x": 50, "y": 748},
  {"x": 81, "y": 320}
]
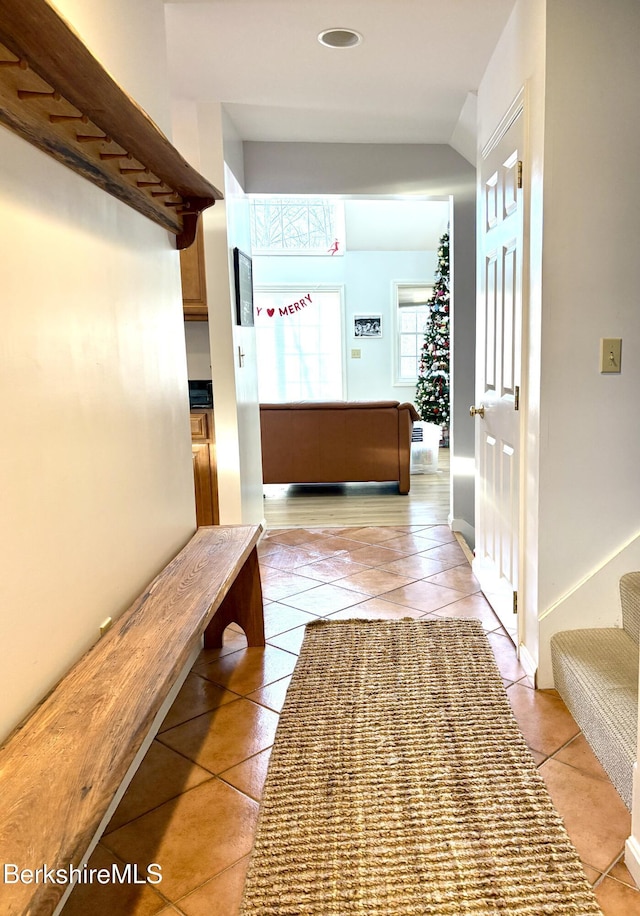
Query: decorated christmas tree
[{"x": 432, "y": 389}]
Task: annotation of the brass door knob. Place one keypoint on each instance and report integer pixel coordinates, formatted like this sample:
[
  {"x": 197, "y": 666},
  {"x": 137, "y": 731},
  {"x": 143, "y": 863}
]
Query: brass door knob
[{"x": 477, "y": 411}]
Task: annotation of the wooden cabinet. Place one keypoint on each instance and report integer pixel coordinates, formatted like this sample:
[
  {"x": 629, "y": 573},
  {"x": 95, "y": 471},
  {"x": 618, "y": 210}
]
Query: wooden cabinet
[
  {"x": 205, "y": 475},
  {"x": 194, "y": 286}
]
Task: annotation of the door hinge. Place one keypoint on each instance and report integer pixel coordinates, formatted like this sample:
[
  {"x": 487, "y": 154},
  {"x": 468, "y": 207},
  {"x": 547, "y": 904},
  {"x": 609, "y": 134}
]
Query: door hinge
[
  {"x": 516, "y": 398},
  {"x": 515, "y": 602},
  {"x": 519, "y": 173}
]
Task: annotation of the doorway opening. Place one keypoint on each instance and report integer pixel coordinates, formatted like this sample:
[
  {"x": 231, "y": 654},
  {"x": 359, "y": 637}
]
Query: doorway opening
[{"x": 340, "y": 305}]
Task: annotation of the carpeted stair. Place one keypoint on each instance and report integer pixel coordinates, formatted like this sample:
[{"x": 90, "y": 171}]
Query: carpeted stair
[{"x": 596, "y": 674}]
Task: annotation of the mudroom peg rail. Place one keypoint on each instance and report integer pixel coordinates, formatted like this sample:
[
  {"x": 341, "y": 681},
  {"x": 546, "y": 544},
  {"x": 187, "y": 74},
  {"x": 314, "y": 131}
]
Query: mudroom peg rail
[{"x": 50, "y": 84}]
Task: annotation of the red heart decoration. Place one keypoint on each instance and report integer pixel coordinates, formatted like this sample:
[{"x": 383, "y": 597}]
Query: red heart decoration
[{"x": 270, "y": 312}]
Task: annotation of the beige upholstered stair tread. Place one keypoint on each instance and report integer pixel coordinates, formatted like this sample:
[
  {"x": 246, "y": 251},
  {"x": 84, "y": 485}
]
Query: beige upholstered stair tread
[
  {"x": 605, "y": 662},
  {"x": 630, "y": 601},
  {"x": 596, "y": 674}
]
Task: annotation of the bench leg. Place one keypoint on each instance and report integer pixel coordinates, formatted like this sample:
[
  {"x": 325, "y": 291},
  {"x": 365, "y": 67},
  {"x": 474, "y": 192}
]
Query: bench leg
[{"x": 242, "y": 605}]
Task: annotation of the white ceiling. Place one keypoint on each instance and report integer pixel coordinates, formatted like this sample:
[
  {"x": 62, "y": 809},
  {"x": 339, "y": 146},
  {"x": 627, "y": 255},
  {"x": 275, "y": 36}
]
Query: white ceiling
[{"x": 406, "y": 83}]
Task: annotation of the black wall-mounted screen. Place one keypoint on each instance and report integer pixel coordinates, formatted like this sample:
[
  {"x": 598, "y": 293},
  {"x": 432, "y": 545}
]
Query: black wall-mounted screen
[{"x": 200, "y": 394}]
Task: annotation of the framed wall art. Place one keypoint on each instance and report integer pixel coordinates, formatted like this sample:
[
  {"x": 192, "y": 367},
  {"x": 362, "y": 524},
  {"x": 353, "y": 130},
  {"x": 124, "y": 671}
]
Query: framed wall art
[
  {"x": 243, "y": 275},
  {"x": 367, "y": 326}
]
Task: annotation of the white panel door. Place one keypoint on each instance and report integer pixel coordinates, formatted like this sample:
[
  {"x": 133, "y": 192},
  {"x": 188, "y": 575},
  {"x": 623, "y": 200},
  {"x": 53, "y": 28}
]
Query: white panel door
[{"x": 499, "y": 358}]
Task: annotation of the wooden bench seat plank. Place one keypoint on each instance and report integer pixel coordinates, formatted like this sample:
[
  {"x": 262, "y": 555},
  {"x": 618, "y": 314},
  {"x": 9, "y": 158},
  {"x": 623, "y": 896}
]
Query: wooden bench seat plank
[{"x": 60, "y": 770}]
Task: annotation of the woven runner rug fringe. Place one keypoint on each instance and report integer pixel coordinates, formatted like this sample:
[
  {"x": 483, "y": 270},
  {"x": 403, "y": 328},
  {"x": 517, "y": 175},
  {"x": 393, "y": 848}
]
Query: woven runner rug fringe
[{"x": 400, "y": 784}]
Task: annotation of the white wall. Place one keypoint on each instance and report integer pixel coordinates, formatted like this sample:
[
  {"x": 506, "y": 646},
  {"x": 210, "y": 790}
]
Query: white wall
[
  {"x": 433, "y": 170},
  {"x": 129, "y": 41},
  {"x": 246, "y": 358},
  {"x": 463, "y": 360},
  {"x": 204, "y": 130},
  {"x": 367, "y": 278},
  {"x": 589, "y": 442},
  {"x": 95, "y": 457},
  {"x": 198, "y": 349}
]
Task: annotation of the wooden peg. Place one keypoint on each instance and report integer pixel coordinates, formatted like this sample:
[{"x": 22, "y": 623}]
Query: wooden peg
[
  {"x": 54, "y": 118},
  {"x": 34, "y": 93},
  {"x": 116, "y": 156},
  {"x": 149, "y": 184},
  {"x": 125, "y": 171},
  {"x": 15, "y": 63},
  {"x": 162, "y": 193},
  {"x": 173, "y": 203},
  {"x": 89, "y": 138}
]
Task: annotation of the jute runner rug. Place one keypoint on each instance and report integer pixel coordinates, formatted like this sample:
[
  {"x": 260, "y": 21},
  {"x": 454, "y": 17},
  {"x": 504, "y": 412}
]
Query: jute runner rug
[{"x": 399, "y": 783}]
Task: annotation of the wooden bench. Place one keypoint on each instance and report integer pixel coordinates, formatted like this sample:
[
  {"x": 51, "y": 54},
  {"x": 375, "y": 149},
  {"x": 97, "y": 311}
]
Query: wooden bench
[{"x": 61, "y": 770}]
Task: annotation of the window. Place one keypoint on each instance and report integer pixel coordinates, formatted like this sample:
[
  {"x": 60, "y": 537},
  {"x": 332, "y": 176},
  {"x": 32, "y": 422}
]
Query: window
[
  {"x": 412, "y": 314},
  {"x": 297, "y": 225},
  {"x": 299, "y": 344}
]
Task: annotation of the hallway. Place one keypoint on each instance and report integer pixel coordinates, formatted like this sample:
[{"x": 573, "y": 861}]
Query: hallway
[{"x": 193, "y": 804}]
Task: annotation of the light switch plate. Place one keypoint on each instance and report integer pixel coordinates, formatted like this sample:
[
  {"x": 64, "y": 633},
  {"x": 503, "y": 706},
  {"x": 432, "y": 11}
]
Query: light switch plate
[
  {"x": 355, "y": 354},
  {"x": 610, "y": 354}
]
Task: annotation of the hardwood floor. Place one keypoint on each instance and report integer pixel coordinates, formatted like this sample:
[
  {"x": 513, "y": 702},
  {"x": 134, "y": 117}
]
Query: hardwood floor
[{"x": 337, "y": 505}]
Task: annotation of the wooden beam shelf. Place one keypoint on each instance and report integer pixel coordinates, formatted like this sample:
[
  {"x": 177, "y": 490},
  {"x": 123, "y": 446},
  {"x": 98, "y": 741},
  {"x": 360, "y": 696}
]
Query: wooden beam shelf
[{"x": 55, "y": 94}]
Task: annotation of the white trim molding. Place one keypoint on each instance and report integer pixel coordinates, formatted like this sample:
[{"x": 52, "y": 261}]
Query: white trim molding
[
  {"x": 528, "y": 662},
  {"x": 513, "y": 111}
]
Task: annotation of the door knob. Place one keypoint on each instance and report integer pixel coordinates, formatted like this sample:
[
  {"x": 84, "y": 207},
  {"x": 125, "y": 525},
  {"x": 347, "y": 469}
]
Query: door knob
[{"x": 477, "y": 411}]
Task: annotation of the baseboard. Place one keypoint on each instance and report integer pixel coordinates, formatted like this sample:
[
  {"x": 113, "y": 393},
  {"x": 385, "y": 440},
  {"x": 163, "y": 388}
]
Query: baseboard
[
  {"x": 468, "y": 532},
  {"x": 465, "y": 547},
  {"x": 632, "y": 858},
  {"x": 632, "y": 846},
  {"x": 527, "y": 661}
]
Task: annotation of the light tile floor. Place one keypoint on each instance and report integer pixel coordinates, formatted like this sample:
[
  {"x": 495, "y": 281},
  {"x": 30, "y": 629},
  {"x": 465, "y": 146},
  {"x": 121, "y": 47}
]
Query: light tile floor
[{"x": 193, "y": 804}]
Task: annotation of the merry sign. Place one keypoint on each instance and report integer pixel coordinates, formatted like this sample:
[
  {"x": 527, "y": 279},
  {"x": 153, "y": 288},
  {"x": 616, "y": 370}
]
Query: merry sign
[{"x": 287, "y": 309}]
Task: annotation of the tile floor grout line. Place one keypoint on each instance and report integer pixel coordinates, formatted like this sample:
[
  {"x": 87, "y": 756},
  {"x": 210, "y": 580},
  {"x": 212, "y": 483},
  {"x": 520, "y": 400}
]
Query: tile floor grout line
[
  {"x": 108, "y": 833},
  {"x": 176, "y": 904}
]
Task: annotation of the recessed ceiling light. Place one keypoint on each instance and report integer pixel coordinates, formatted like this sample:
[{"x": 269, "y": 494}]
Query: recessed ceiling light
[{"x": 339, "y": 38}]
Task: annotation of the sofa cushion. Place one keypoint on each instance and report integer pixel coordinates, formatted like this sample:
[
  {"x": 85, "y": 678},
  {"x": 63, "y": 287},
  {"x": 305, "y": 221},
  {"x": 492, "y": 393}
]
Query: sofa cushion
[{"x": 341, "y": 405}]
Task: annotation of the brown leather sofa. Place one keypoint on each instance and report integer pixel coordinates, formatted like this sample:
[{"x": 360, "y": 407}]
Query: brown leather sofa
[{"x": 337, "y": 442}]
